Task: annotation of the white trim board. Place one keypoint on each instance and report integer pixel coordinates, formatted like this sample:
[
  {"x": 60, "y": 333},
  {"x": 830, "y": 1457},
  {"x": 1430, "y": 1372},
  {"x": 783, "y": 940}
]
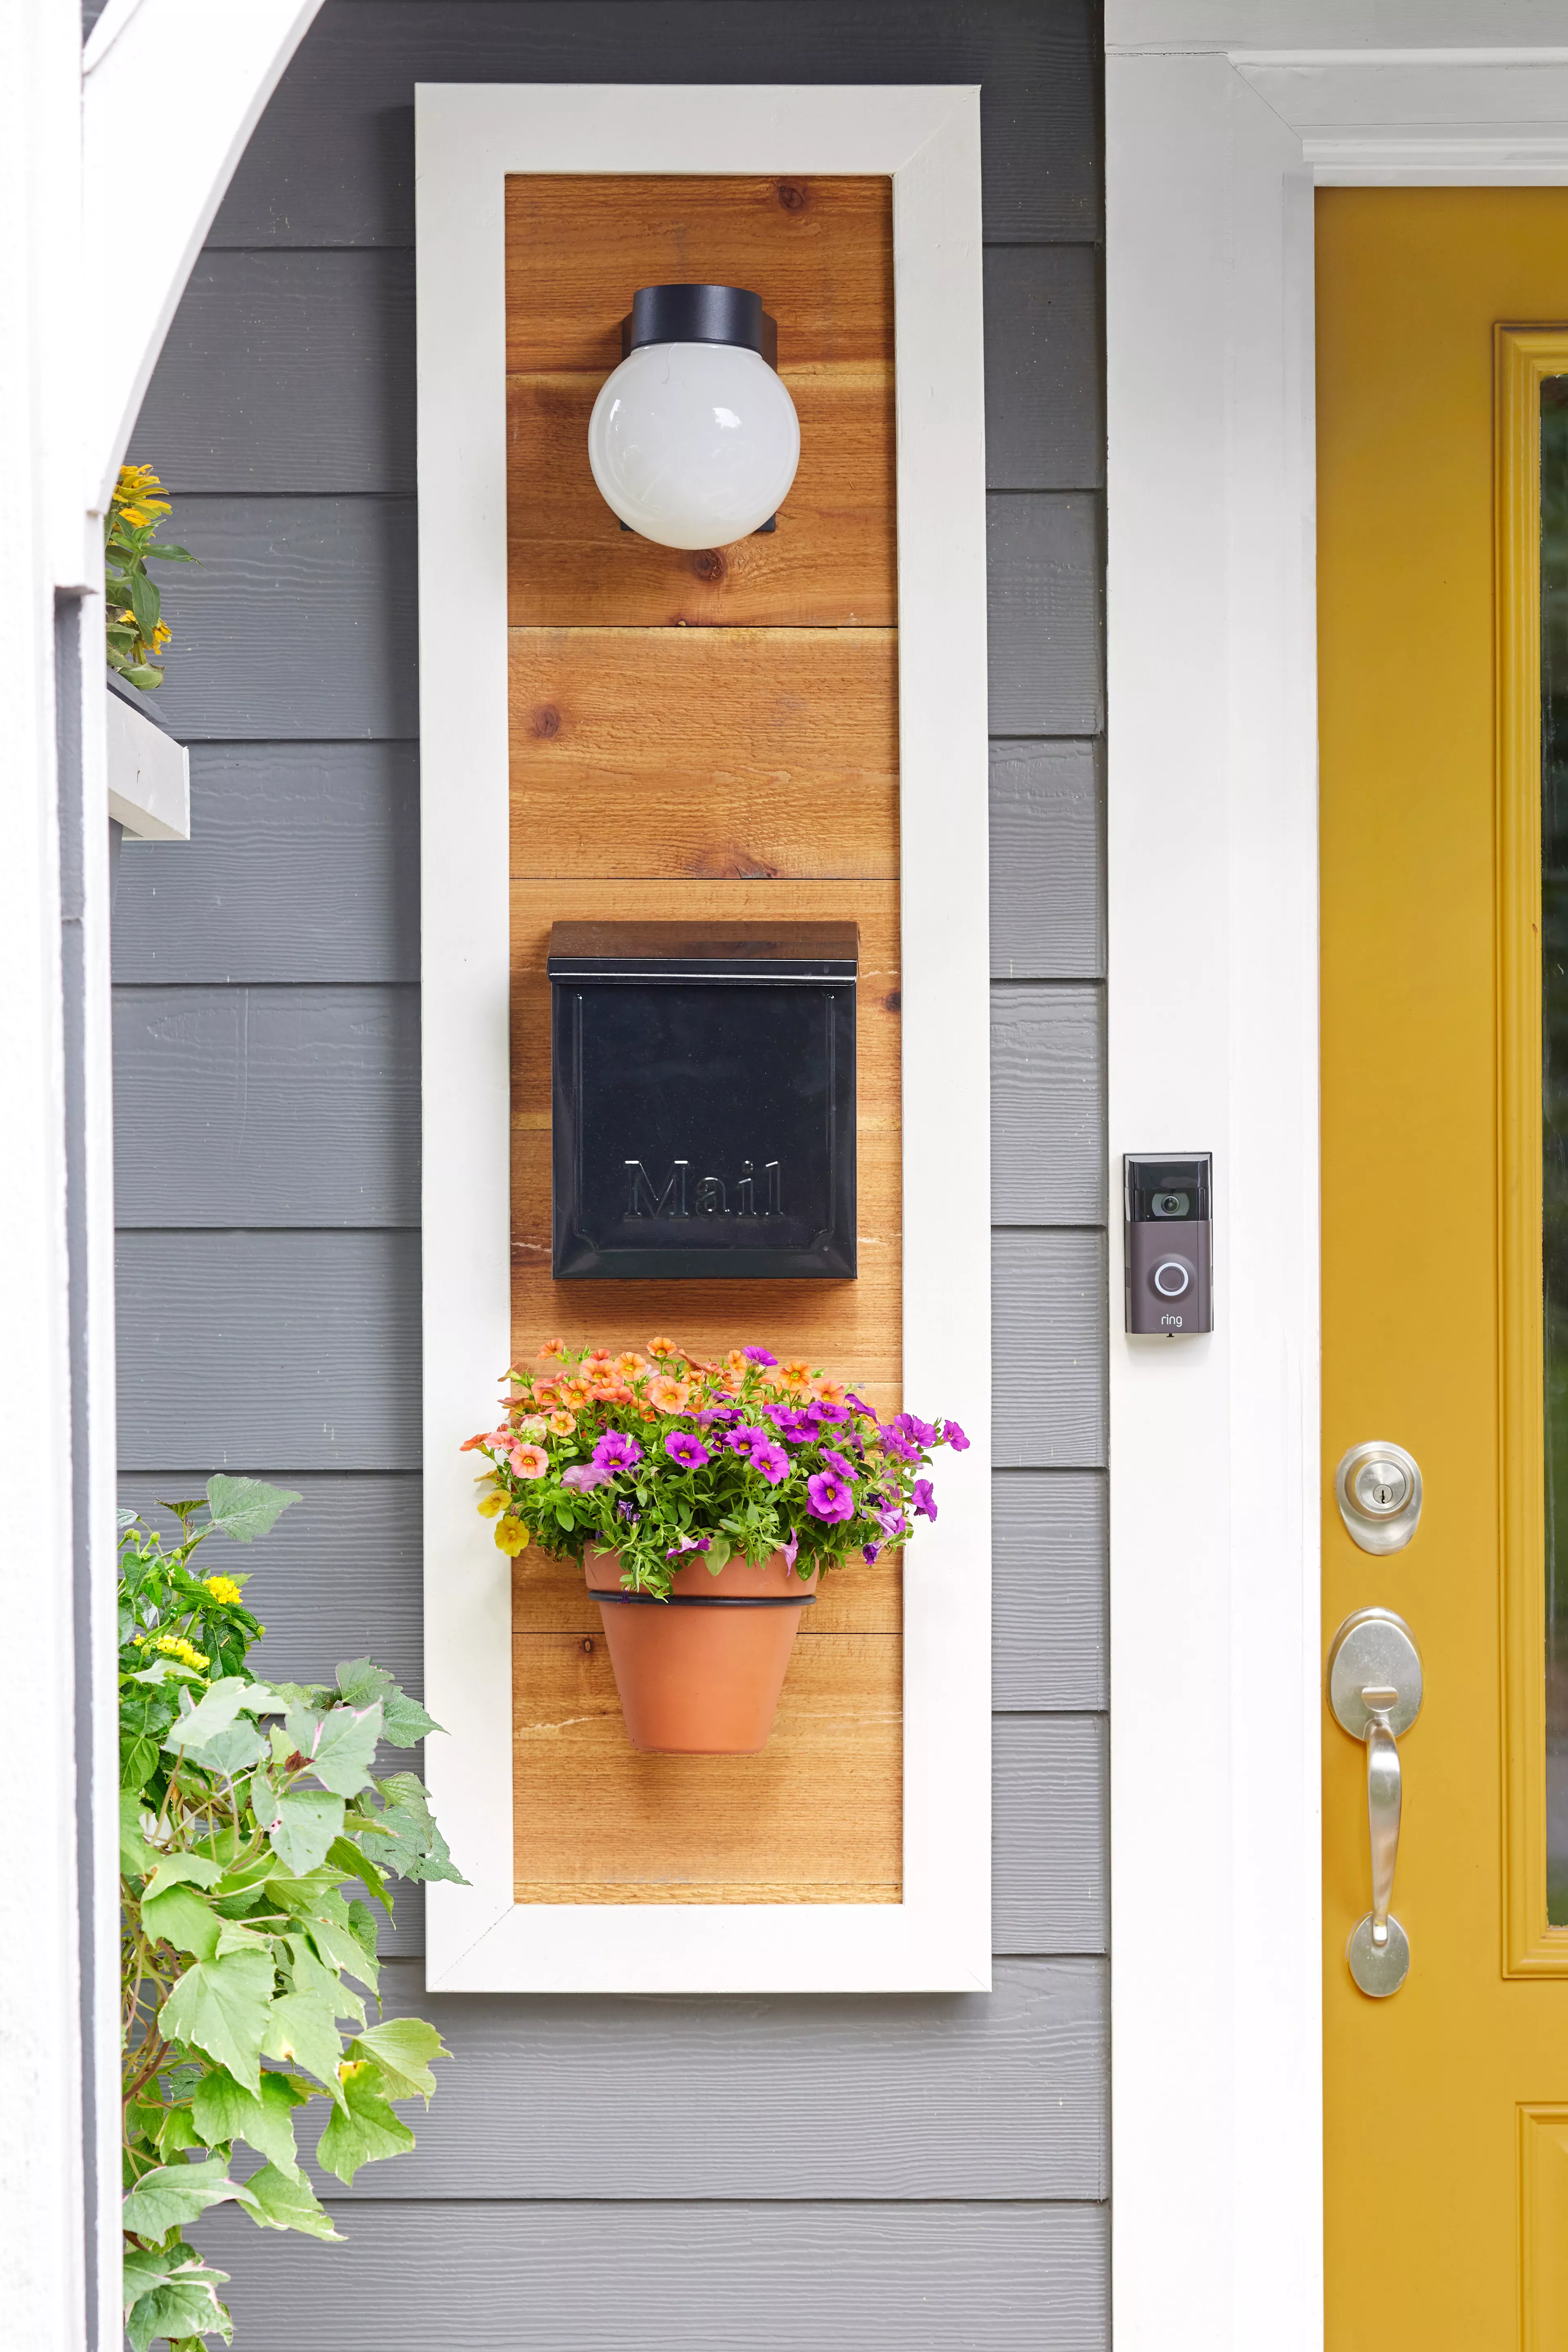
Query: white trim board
[
  {"x": 928, "y": 141},
  {"x": 1211, "y": 156},
  {"x": 148, "y": 774}
]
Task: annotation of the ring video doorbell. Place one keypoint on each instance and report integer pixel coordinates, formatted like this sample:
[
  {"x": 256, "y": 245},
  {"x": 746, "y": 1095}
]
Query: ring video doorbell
[{"x": 1169, "y": 1253}]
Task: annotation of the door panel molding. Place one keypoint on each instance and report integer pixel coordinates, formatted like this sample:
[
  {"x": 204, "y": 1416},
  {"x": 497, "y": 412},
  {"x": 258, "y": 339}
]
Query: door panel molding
[{"x": 1524, "y": 356}]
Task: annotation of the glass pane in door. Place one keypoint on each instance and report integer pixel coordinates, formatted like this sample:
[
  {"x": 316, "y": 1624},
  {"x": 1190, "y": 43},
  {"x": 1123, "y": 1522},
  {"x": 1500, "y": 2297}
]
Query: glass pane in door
[{"x": 1554, "y": 1109}]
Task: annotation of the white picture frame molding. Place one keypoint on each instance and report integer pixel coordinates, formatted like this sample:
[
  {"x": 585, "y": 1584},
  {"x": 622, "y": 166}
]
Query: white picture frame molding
[
  {"x": 928, "y": 141},
  {"x": 1221, "y": 118}
]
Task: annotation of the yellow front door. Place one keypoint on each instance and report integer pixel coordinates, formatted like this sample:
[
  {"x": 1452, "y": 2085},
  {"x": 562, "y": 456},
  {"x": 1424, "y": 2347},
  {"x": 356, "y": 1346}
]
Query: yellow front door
[{"x": 1442, "y": 637}]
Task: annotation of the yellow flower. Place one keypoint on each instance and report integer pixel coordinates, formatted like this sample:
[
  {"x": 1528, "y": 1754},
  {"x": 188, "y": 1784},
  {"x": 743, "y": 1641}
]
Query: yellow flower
[
  {"x": 492, "y": 1505},
  {"x": 224, "y": 1589},
  {"x": 173, "y": 1646},
  {"x": 511, "y": 1537}
]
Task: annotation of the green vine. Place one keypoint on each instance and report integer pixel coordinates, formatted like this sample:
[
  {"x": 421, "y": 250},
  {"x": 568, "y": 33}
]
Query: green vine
[{"x": 244, "y": 1809}]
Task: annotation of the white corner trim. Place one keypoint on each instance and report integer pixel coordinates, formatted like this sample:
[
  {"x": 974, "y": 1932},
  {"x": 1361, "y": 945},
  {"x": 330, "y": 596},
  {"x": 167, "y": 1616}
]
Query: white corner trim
[
  {"x": 208, "y": 71},
  {"x": 928, "y": 141},
  {"x": 148, "y": 774},
  {"x": 1211, "y": 161}
]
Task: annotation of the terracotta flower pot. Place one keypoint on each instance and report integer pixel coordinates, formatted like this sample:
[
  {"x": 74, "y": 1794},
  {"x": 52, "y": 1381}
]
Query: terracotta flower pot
[{"x": 699, "y": 1673}]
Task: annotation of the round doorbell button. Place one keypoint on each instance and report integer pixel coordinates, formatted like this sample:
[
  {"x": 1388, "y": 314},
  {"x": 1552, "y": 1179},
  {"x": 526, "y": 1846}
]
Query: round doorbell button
[{"x": 1172, "y": 1278}]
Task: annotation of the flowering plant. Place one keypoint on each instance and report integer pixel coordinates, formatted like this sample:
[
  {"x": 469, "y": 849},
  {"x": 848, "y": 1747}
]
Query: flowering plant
[
  {"x": 245, "y": 1807},
  {"x": 135, "y": 631},
  {"x": 665, "y": 1458}
]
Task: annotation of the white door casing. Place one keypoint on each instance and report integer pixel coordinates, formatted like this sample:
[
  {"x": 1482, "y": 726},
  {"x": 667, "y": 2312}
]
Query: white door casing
[{"x": 1221, "y": 117}]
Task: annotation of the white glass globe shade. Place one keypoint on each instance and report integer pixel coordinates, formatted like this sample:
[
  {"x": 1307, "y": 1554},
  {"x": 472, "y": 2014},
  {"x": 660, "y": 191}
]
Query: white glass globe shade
[{"x": 694, "y": 444}]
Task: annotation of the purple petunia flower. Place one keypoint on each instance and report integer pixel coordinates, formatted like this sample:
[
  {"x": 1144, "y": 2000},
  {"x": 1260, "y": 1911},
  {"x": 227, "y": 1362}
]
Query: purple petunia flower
[
  {"x": 629, "y": 1509},
  {"x": 829, "y": 1498},
  {"x": 821, "y": 1412},
  {"x": 911, "y": 1426},
  {"x": 925, "y": 1501},
  {"x": 791, "y": 1422},
  {"x": 893, "y": 1523},
  {"x": 687, "y": 1543},
  {"x": 898, "y": 1447},
  {"x": 583, "y": 1475},
  {"x": 953, "y": 1435},
  {"x": 741, "y": 1439},
  {"x": 771, "y": 1460},
  {"x": 722, "y": 1414},
  {"x": 860, "y": 1404},
  {"x": 868, "y": 1552},
  {"x": 790, "y": 1548},
  {"x": 836, "y": 1461},
  {"x": 616, "y": 1451},
  {"x": 758, "y": 1356},
  {"x": 689, "y": 1451}
]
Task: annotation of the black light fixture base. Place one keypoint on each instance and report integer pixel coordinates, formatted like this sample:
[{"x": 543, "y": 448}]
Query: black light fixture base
[{"x": 701, "y": 314}]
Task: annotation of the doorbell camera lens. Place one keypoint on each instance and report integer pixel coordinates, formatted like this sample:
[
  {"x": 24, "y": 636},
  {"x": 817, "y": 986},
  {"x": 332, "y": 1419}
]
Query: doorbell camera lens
[{"x": 1170, "y": 1205}]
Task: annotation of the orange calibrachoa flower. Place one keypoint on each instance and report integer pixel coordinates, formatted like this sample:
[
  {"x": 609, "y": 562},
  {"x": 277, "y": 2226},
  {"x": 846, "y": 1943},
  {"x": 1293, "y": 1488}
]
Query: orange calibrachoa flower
[
  {"x": 667, "y": 1395},
  {"x": 576, "y": 1392},
  {"x": 735, "y": 1364},
  {"x": 552, "y": 1351},
  {"x": 659, "y": 1348},
  {"x": 545, "y": 1392},
  {"x": 629, "y": 1365},
  {"x": 529, "y": 1461},
  {"x": 563, "y": 1424},
  {"x": 828, "y": 1392}
]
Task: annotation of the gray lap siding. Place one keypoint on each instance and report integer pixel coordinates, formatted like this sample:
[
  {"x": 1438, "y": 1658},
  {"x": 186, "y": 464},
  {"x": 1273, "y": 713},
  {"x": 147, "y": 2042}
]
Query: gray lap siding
[{"x": 754, "y": 2172}]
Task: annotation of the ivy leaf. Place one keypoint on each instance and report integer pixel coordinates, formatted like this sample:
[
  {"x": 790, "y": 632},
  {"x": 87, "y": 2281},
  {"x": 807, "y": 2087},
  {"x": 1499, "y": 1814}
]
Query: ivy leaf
[
  {"x": 136, "y": 1856},
  {"x": 244, "y": 1508},
  {"x": 333, "y": 1932},
  {"x": 170, "y": 2291},
  {"x": 347, "y": 1857},
  {"x": 304, "y": 1827},
  {"x": 233, "y": 1937},
  {"x": 313, "y": 1977},
  {"x": 173, "y": 2195},
  {"x": 231, "y": 1751},
  {"x": 180, "y": 1917},
  {"x": 177, "y": 2132},
  {"x": 304, "y": 2032},
  {"x": 344, "y": 1747},
  {"x": 212, "y": 1714},
  {"x": 224, "y": 2007},
  {"x": 199, "y": 1869},
  {"x": 403, "y": 2047},
  {"x": 224, "y": 2110},
  {"x": 285, "y": 2200},
  {"x": 409, "y": 1844},
  {"x": 137, "y": 1763},
  {"x": 364, "y": 2128},
  {"x": 403, "y": 1721}
]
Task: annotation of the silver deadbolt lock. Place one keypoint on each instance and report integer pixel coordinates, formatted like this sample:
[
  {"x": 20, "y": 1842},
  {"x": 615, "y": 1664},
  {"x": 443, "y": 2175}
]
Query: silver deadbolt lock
[{"x": 1378, "y": 1489}]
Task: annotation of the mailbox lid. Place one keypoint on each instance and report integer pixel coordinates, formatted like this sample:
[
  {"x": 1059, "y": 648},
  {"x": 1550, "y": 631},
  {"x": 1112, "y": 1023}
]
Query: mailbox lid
[{"x": 758, "y": 953}]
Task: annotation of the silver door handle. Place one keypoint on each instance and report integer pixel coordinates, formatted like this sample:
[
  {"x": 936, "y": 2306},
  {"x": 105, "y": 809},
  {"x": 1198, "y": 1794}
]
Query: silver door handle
[{"x": 1374, "y": 1689}]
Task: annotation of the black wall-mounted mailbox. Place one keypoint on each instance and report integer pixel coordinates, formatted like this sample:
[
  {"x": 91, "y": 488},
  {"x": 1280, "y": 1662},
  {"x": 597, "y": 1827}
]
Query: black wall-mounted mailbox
[{"x": 703, "y": 1084}]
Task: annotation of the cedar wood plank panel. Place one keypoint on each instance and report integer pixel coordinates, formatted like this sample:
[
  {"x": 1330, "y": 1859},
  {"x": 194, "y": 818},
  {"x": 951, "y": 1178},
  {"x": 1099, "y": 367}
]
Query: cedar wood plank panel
[
  {"x": 754, "y": 759},
  {"x": 303, "y": 870}
]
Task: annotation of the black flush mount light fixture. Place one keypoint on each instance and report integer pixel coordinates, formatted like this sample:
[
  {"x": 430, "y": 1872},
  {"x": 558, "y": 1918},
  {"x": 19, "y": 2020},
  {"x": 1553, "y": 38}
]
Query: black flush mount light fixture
[
  {"x": 704, "y": 1111},
  {"x": 694, "y": 440}
]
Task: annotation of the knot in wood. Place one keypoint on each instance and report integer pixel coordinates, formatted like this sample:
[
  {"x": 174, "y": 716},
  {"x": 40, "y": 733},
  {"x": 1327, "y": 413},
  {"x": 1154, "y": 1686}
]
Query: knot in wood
[
  {"x": 791, "y": 195},
  {"x": 547, "y": 720},
  {"x": 588, "y": 1643},
  {"x": 709, "y": 565}
]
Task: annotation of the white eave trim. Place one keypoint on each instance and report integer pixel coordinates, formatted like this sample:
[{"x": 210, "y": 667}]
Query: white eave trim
[{"x": 148, "y": 774}]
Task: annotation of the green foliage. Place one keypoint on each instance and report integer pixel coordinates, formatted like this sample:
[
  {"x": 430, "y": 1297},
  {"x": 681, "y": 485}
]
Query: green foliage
[
  {"x": 134, "y": 629},
  {"x": 245, "y": 1806}
]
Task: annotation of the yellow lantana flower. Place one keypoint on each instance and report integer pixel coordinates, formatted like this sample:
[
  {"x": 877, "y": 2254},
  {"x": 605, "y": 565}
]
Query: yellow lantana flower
[{"x": 224, "y": 1589}]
